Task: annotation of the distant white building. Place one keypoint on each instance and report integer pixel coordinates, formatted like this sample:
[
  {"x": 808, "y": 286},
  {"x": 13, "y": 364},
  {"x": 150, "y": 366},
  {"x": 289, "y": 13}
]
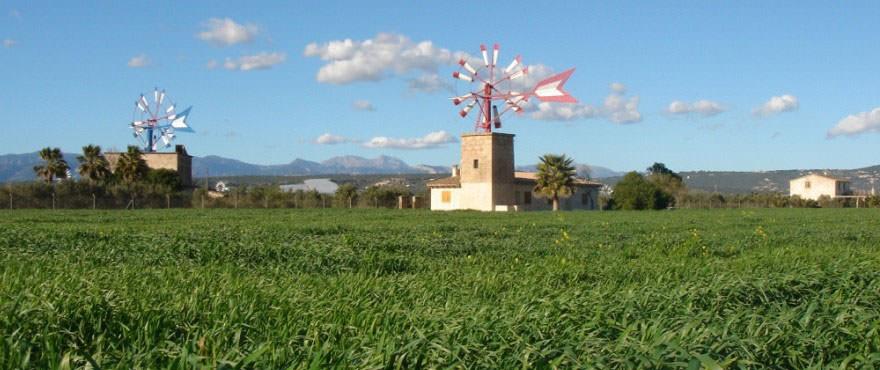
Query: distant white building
[
  {"x": 487, "y": 181},
  {"x": 323, "y": 186},
  {"x": 813, "y": 186}
]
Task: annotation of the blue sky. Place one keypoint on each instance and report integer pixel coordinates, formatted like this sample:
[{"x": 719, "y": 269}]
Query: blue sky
[{"x": 694, "y": 84}]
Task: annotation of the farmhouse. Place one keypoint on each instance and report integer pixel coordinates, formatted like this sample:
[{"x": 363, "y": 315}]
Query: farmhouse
[
  {"x": 487, "y": 181},
  {"x": 178, "y": 161},
  {"x": 813, "y": 186}
]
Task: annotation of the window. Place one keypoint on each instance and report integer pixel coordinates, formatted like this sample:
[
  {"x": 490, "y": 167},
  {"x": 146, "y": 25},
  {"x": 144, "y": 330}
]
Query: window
[
  {"x": 527, "y": 197},
  {"x": 585, "y": 198},
  {"x": 476, "y": 163},
  {"x": 549, "y": 201},
  {"x": 516, "y": 197},
  {"x": 446, "y": 196},
  {"x": 806, "y": 184}
]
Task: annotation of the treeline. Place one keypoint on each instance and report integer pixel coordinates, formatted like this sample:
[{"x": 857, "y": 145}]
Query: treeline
[{"x": 661, "y": 188}]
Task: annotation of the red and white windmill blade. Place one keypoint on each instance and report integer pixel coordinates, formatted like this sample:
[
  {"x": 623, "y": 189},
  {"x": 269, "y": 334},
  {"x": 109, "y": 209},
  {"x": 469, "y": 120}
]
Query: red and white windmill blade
[{"x": 490, "y": 89}]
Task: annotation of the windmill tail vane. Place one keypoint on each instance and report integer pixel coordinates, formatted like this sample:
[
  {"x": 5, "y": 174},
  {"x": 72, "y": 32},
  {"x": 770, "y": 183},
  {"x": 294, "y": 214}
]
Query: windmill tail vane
[{"x": 488, "y": 85}]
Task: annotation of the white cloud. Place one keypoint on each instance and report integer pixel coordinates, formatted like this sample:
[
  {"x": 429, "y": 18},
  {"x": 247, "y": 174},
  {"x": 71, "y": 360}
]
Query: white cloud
[
  {"x": 429, "y": 83},
  {"x": 140, "y": 61},
  {"x": 263, "y": 60},
  {"x": 617, "y": 87},
  {"x": 564, "y": 112},
  {"x": 705, "y": 108},
  {"x": 330, "y": 139},
  {"x": 431, "y": 140},
  {"x": 854, "y": 125},
  {"x": 8, "y": 43},
  {"x": 224, "y": 32},
  {"x": 616, "y": 108},
  {"x": 15, "y": 14},
  {"x": 363, "y": 105},
  {"x": 776, "y": 105},
  {"x": 374, "y": 59},
  {"x": 212, "y": 64},
  {"x": 622, "y": 110}
]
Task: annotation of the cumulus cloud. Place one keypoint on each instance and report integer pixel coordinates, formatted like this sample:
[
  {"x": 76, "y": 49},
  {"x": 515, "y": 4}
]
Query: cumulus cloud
[
  {"x": 429, "y": 83},
  {"x": 373, "y": 59},
  {"x": 776, "y": 105},
  {"x": 225, "y": 32},
  {"x": 140, "y": 61},
  {"x": 705, "y": 108},
  {"x": 616, "y": 108},
  {"x": 429, "y": 141},
  {"x": 8, "y": 43},
  {"x": 330, "y": 139},
  {"x": 363, "y": 105},
  {"x": 262, "y": 60},
  {"x": 617, "y": 87},
  {"x": 564, "y": 112},
  {"x": 212, "y": 64},
  {"x": 15, "y": 14},
  {"x": 857, "y": 124}
]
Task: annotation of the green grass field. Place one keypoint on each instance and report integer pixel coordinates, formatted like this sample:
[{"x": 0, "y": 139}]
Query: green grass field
[{"x": 385, "y": 289}]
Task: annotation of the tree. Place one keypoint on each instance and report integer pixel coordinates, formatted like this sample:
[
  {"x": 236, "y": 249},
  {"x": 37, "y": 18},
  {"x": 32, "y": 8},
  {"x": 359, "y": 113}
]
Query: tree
[
  {"x": 346, "y": 194},
  {"x": 92, "y": 165},
  {"x": 660, "y": 169},
  {"x": 670, "y": 182},
  {"x": 635, "y": 192},
  {"x": 585, "y": 172},
  {"x": 554, "y": 178},
  {"x": 55, "y": 165},
  {"x": 131, "y": 166},
  {"x": 165, "y": 178}
]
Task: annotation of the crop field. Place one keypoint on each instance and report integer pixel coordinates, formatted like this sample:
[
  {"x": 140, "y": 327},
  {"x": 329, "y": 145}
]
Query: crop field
[{"x": 787, "y": 288}]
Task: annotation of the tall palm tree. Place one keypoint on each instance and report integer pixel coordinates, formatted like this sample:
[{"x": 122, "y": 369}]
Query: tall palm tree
[
  {"x": 131, "y": 165},
  {"x": 92, "y": 165},
  {"x": 55, "y": 165},
  {"x": 554, "y": 178}
]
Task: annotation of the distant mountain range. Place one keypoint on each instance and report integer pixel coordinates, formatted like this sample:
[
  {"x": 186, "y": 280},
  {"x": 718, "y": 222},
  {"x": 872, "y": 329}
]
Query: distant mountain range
[
  {"x": 19, "y": 167},
  {"x": 213, "y": 165}
]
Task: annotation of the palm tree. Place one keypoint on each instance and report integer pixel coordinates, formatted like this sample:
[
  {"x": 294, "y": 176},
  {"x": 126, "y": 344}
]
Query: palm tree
[
  {"x": 554, "y": 178},
  {"x": 55, "y": 165},
  {"x": 131, "y": 165},
  {"x": 92, "y": 165}
]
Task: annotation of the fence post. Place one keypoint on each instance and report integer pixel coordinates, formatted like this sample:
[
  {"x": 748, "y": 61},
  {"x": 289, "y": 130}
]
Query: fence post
[
  {"x": 53, "y": 201},
  {"x": 10, "y": 200},
  {"x": 94, "y": 202},
  {"x": 203, "y": 202},
  {"x": 349, "y": 201},
  {"x": 168, "y": 201},
  {"x": 235, "y": 200},
  {"x": 323, "y": 201}
]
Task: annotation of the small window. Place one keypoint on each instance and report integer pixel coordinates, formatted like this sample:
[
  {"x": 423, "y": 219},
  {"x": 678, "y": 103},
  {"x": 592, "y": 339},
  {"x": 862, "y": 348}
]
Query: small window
[
  {"x": 806, "y": 184},
  {"x": 585, "y": 198},
  {"x": 476, "y": 163},
  {"x": 516, "y": 197},
  {"x": 446, "y": 196},
  {"x": 527, "y": 197}
]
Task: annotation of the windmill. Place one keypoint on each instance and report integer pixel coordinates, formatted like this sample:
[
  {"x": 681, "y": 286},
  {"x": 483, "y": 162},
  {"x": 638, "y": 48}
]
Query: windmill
[
  {"x": 154, "y": 123},
  {"x": 488, "y": 85}
]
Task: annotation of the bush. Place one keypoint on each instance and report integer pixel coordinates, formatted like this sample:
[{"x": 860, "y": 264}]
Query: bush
[{"x": 635, "y": 192}]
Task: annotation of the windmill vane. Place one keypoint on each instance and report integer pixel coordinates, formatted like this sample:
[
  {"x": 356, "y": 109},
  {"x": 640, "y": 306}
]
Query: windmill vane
[
  {"x": 154, "y": 123},
  {"x": 487, "y": 85}
]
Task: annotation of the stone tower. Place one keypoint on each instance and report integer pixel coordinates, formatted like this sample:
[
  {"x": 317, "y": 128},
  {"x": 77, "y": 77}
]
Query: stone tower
[{"x": 487, "y": 170}]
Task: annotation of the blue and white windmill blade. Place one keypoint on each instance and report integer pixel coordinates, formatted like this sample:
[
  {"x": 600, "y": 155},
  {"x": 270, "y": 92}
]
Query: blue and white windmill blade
[{"x": 179, "y": 121}]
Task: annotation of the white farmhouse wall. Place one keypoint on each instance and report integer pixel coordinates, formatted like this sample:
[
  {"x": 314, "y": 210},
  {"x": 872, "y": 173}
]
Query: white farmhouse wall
[
  {"x": 437, "y": 199},
  {"x": 818, "y": 186}
]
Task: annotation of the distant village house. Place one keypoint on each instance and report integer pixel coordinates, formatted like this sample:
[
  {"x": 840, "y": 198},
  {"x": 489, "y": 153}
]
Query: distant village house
[{"x": 813, "y": 186}]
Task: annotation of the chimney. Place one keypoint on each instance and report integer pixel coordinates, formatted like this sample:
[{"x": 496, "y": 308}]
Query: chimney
[{"x": 455, "y": 171}]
